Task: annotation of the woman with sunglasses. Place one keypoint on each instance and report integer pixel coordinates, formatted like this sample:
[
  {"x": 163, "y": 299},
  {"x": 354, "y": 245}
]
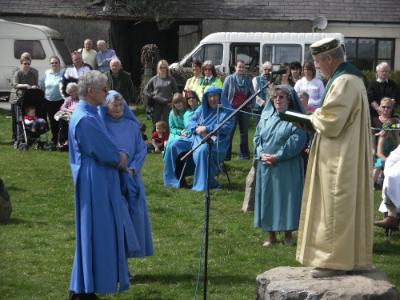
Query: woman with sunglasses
[
  {"x": 53, "y": 98},
  {"x": 23, "y": 79},
  {"x": 209, "y": 78}
]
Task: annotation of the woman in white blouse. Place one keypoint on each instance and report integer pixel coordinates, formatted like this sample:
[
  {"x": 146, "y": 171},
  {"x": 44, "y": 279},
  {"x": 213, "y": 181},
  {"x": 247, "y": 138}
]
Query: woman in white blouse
[{"x": 311, "y": 85}]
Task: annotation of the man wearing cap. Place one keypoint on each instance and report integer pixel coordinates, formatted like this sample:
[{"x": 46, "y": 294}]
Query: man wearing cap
[{"x": 335, "y": 234}]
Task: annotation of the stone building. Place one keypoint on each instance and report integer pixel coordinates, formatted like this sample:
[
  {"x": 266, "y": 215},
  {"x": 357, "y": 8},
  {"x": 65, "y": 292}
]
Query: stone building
[{"x": 371, "y": 28}]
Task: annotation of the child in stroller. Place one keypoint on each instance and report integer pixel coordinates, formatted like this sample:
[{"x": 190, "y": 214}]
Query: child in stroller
[
  {"x": 32, "y": 126},
  {"x": 32, "y": 122}
]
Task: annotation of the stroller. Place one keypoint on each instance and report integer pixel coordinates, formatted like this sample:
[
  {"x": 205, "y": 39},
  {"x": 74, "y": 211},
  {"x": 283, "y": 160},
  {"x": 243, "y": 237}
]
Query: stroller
[{"x": 26, "y": 136}]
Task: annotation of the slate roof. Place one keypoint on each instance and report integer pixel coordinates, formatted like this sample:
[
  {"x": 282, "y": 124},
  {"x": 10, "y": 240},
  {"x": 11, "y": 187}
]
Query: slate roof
[{"x": 370, "y": 11}]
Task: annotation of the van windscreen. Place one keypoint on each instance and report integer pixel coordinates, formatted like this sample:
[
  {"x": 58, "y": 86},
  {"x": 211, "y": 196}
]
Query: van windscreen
[{"x": 63, "y": 50}]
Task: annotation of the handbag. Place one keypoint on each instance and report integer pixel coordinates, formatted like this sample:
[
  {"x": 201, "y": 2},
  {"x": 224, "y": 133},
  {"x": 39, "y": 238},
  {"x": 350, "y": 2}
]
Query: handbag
[{"x": 238, "y": 99}]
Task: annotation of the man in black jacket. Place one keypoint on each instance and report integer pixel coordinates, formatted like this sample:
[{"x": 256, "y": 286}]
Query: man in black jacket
[{"x": 381, "y": 87}]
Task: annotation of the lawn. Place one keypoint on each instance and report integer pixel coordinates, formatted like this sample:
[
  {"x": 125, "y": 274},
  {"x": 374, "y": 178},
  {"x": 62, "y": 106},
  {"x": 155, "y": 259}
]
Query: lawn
[{"x": 37, "y": 245}]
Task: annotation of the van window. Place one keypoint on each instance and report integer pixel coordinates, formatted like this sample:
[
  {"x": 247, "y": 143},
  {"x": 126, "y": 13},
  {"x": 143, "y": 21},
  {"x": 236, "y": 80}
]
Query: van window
[
  {"x": 34, "y": 47},
  {"x": 64, "y": 51},
  {"x": 211, "y": 52},
  {"x": 279, "y": 54},
  {"x": 249, "y": 53}
]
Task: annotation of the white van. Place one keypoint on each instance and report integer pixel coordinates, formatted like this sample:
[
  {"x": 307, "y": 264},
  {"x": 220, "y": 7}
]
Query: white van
[
  {"x": 40, "y": 41},
  {"x": 254, "y": 48}
]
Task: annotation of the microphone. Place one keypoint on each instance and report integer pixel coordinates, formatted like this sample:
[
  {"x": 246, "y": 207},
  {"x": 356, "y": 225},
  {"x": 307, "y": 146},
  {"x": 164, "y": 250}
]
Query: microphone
[{"x": 279, "y": 72}]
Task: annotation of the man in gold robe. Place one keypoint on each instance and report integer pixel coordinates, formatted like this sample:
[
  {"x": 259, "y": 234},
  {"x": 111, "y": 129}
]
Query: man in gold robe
[{"x": 335, "y": 233}]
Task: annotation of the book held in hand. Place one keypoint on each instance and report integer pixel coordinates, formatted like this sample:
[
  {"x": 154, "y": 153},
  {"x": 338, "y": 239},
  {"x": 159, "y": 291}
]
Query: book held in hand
[{"x": 296, "y": 117}]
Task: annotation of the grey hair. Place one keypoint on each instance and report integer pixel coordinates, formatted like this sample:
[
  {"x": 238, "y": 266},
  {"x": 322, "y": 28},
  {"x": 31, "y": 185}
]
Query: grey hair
[
  {"x": 382, "y": 64},
  {"x": 92, "y": 79},
  {"x": 336, "y": 54},
  {"x": 115, "y": 59},
  {"x": 72, "y": 86},
  {"x": 265, "y": 64},
  {"x": 115, "y": 98}
]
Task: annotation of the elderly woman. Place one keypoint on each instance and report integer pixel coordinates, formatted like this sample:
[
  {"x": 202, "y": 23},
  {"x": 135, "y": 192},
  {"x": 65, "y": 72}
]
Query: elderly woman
[
  {"x": 310, "y": 84},
  {"x": 120, "y": 80},
  {"x": 160, "y": 90},
  {"x": 279, "y": 176},
  {"x": 204, "y": 120},
  {"x": 50, "y": 85},
  {"x": 124, "y": 130},
  {"x": 23, "y": 79}
]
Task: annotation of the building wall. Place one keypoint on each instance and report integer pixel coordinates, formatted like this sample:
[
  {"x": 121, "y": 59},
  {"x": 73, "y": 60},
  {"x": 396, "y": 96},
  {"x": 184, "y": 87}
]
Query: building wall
[
  {"x": 370, "y": 31},
  {"x": 74, "y": 31}
]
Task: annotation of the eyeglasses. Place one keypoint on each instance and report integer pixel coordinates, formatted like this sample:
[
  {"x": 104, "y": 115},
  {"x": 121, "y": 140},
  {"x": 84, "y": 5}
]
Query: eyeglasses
[
  {"x": 267, "y": 69},
  {"x": 26, "y": 64}
]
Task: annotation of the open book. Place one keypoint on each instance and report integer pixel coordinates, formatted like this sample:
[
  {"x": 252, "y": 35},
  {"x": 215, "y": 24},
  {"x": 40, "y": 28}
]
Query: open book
[{"x": 296, "y": 117}]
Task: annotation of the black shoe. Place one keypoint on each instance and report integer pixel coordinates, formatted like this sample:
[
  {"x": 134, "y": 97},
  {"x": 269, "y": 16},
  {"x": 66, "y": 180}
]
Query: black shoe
[{"x": 90, "y": 296}]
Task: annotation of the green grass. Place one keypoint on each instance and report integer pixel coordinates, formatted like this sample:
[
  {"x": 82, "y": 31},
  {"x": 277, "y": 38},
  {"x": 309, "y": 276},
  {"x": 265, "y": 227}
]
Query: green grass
[{"x": 37, "y": 245}]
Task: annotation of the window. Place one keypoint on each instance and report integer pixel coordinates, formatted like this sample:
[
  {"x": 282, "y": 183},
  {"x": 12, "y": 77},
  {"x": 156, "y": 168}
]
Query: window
[
  {"x": 34, "y": 47},
  {"x": 211, "y": 52},
  {"x": 63, "y": 50},
  {"x": 279, "y": 54},
  {"x": 366, "y": 53},
  {"x": 249, "y": 53}
]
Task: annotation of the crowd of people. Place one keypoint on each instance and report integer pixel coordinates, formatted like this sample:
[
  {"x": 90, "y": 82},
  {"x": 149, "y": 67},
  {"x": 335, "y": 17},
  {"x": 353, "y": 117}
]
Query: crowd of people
[
  {"x": 330, "y": 203},
  {"x": 59, "y": 94}
]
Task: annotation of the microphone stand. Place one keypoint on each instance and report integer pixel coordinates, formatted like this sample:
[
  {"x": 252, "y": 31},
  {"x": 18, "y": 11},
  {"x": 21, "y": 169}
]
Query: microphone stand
[{"x": 207, "y": 139}]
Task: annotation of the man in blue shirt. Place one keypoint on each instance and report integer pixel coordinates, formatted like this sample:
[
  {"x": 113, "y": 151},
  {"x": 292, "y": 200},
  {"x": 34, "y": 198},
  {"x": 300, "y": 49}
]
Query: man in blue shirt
[{"x": 104, "y": 56}]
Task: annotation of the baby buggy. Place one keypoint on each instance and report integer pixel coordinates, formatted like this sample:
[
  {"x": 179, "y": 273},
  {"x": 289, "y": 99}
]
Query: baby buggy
[{"x": 30, "y": 132}]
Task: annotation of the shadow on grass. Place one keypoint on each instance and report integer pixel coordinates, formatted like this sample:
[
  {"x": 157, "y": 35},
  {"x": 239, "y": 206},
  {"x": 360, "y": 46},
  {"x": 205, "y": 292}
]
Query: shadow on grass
[
  {"x": 15, "y": 221},
  {"x": 177, "y": 278},
  {"x": 386, "y": 247},
  {"x": 15, "y": 189}
]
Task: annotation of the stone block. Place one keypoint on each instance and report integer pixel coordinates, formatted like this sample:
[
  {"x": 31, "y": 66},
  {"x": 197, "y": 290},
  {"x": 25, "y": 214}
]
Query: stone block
[{"x": 289, "y": 283}]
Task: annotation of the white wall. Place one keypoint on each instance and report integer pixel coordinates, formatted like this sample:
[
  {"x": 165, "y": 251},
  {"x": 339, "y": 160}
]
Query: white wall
[{"x": 370, "y": 31}]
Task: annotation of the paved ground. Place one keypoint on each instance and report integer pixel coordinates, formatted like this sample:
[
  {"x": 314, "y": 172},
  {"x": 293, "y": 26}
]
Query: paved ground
[{"x": 5, "y": 105}]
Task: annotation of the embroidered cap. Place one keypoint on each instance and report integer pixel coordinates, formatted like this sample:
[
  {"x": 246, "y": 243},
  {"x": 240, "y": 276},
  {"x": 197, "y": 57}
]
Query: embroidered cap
[{"x": 324, "y": 45}]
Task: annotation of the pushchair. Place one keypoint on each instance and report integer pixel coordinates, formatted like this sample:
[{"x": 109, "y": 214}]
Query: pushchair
[{"x": 25, "y": 135}]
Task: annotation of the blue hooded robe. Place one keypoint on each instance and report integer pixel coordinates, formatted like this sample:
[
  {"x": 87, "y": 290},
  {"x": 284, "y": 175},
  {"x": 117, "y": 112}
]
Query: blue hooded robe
[
  {"x": 100, "y": 263},
  {"x": 279, "y": 187},
  {"x": 125, "y": 132},
  {"x": 197, "y": 164}
]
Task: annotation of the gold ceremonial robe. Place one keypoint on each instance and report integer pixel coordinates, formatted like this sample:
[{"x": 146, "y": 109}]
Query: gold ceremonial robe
[{"x": 337, "y": 209}]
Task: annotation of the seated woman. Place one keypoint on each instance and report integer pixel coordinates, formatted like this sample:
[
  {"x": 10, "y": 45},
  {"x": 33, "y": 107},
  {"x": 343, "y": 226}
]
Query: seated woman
[
  {"x": 384, "y": 142},
  {"x": 175, "y": 118},
  {"x": 124, "y": 130},
  {"x": 204, "y": 120},
  {"x": 64, "y": 115},
  {"x": 279, "y": 176},
  {"x": 192, "y": 103}
]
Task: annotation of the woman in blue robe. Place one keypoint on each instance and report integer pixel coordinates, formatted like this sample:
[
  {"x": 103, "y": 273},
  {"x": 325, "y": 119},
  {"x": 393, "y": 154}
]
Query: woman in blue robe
[
  {"x": 279, "y": 177},
  {"x": 124, "y": 130},
  {"x": 204, "y": 120},
  {"x": 100, "y": 263}
]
